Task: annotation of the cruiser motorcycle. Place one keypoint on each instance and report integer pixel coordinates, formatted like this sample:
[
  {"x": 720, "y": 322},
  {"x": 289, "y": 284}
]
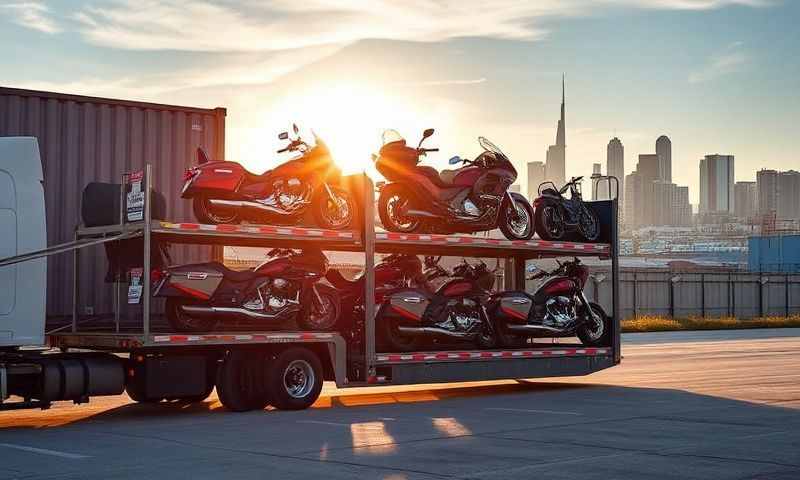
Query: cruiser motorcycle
[
  {"x": 290, "y": 286},
  {"x": 556, "y": 214},
  {"x": 558, "y": 308},
  {"x": 472, "y": 198},
  {"x": 226, "y": 193},
  {"x": 454, "y": 312}
]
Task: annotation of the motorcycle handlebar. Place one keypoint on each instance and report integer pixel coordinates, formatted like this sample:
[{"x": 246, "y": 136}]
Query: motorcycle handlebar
[
  {"x": 426, "y": 150},
  {"x": 283, "y": 150}
]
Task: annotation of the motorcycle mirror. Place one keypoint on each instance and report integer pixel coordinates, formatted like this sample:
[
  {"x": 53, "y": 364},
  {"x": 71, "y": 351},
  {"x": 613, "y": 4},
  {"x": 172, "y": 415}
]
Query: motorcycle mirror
[
  {"x": 427, "y": 133},
  {"x": 283, "y": 136},
  {"x": 295, "y": 129},
  {"x": 455, "y": 160}
]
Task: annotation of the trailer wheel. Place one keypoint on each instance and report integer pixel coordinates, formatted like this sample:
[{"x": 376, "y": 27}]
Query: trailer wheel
[
  {"x": 135, "y": 390},
  {"x": 294, "y": 379},
  {"x": 240, "y": 382}
]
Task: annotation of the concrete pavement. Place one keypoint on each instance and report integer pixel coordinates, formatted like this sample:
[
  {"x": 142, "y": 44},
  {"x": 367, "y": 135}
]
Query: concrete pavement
[{"x": 690, "y": 408}]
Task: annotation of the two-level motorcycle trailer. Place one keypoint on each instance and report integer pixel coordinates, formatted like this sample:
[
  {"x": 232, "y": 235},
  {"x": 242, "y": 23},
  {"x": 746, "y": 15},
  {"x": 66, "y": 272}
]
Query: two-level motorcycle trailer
[{"x": 251, "y": 368}]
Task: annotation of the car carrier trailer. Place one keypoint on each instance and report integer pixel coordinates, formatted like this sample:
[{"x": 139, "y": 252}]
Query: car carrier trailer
[{"x": 251, "y": 369}]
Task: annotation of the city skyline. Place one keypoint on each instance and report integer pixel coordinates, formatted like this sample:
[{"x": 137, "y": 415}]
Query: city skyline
[{"x": 708, "y": 73}]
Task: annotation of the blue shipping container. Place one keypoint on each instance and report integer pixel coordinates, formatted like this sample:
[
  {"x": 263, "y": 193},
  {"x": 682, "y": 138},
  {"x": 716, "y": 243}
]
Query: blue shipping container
[{"x": 777, "y": 253}]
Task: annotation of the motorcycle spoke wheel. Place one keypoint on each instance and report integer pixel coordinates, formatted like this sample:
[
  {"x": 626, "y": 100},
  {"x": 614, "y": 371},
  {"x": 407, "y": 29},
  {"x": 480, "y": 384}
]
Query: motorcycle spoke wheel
[
  {"x": 553, "y": 221},
  {"x": 590, "y": 228},
  {"x": 394, "y": 206},
  {"x": 207, "y": 214},
  {"x": 337, "y": 212},
  {"x": 518, "y": 221},
  {"x": 322, "y": 317}
]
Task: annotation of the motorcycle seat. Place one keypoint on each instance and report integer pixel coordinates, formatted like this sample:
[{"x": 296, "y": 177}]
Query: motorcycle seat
[{"x": 233, "y": 275}]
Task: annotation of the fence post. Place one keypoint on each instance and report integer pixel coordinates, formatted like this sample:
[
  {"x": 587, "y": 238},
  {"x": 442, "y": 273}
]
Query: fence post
[
  {"x": 760, "y": 296},
  {"x": 703, "y": 295},
  {"x": 635, "y": 307},
  {"x": 732, "y": 291},
  {"x": 672, "y": 297},
  {"x": 786, "y": 285}
]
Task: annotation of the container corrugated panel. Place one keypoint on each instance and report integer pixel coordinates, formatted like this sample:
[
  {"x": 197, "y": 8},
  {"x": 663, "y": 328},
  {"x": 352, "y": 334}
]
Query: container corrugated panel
[
  {"x": 87, "y": 139},
  {"x": 774, "y": 253}
]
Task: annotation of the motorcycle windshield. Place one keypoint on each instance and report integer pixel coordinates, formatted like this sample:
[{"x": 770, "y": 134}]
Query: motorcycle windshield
[{"x": 391, "y": 136}]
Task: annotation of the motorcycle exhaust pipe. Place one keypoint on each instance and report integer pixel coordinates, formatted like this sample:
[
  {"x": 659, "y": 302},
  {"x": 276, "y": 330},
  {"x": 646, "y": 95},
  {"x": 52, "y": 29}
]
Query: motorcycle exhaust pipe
[
  {"x": 207, "y": 311},
  {"x": 255, "y": 206},
  {"x": 419, "y": 213},
  {"x": 532, "y": 328},
  {"x": 433, "y": 331}
]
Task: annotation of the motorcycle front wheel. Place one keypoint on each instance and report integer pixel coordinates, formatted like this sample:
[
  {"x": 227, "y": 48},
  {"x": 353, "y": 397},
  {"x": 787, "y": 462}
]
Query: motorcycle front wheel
[
  {"x": 334, "y": 213},
  {"x": 589, "y": 225},
  {"x": 517, "y": 225},
  {"x": 206, "y": 213},
  {"x": 550, "y": 222},
  {"x": 323, "y": 313},
  {"x": 181, "y": 321},
  {"x": 392, "y": 200},
  {"x": 595, "y": 333}
]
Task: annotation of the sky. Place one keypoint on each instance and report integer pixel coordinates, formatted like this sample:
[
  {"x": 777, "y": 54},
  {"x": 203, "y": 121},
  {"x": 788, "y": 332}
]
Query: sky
[{"x": 716, "y": 76}]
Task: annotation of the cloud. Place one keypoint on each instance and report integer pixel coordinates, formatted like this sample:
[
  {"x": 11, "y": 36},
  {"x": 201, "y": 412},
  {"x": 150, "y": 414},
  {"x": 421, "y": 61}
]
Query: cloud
[
  {"x": 732, "y": 59},
  {"x": 35, "y": 16},
  {"x": 202, "y": 25},
  {"x": 438, "y": 83}
]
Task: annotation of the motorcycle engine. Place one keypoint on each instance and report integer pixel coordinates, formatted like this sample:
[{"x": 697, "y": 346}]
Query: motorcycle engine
[
  {"x": 560, "y": 311},
  {"x": 462, "y": 316},
  {"x": 273, "y": 295},
  {"x": 471, "y": 209},
  {"x": 290, "y": 192}
]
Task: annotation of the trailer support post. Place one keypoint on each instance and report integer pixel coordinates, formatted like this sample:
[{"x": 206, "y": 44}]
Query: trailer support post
[{"x": 369, "y": 274}]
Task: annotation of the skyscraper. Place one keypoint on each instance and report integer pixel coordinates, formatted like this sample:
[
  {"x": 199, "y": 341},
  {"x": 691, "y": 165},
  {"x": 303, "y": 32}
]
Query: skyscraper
[
  {"x": 716, "y": 184},
  {"x": 664, "y": 152},
  {"x": 599, "y": 185},
  {"x": 536, "y": 176},
  {"x": 789, "y": 195},
  {"x": 615, "y": 166},
  {"x": 556, "y": 154},
  {"x": 745, "y": 199},
  {"x": 767, "y": 186}
]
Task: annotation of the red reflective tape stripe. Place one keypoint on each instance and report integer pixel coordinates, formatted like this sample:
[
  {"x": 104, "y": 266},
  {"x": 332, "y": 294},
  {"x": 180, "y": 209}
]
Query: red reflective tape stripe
[
  {"x": 226, "y": 228},
  {"x": 189, "y": 226},
  {"x": 178, "y": 338},
  {"x": 418, "y": 356},
  {"x": 546, "y": 353},
  {"x": 571, "y": 351}
]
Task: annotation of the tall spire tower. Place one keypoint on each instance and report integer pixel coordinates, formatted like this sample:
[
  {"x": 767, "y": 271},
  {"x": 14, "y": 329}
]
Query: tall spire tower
[{"x": 555, "y": 170}]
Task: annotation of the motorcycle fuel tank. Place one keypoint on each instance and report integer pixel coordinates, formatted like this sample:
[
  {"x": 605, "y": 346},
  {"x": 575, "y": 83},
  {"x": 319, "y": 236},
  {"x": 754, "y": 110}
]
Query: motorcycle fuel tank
[
  {"x": 466, "y": 177},
  {"x": 554, "y": 286}
]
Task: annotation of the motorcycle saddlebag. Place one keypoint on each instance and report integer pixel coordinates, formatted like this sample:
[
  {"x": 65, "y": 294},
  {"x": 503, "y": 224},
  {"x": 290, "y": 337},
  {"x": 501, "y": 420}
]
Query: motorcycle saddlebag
[
  {"x": 199, "y": 280},
  {"x": 514, "y": 307},
  {"x": 408, "y": 304}
]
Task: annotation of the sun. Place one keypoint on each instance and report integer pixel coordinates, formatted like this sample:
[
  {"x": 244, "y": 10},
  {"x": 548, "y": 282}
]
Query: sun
[{"x": 349, "y": 118}]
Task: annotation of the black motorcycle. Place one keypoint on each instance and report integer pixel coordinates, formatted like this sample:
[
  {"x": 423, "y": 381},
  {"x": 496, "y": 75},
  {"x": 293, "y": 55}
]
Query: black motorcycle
[
  {"x": 290, "y": 286},
  {"x": 556, "y": 215},
  {"x": 454, "y": 313},
  {"x": 470, "y": 199},
  {"x": 558, "y": 308}
]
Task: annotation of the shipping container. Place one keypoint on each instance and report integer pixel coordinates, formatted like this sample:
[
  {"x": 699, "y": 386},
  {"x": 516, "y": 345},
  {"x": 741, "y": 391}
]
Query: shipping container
[
  {"x": 88, "y": 139},
  {"x": 774, "y": 254}
]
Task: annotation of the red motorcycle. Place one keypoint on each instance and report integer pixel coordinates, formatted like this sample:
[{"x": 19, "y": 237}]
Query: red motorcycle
[
  {"x": 453, "y": 313},
  {"x": 226, "y": 193},
  {"x": 558, "y": 308},
  {"x": 470, "y": 199},
  {"x": 205, "y": 297}
]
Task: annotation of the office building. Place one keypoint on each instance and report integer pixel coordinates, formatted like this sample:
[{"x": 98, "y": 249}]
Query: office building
[
  {"x": 745, "y": 200},
  {"x": 789, "y": 195},
  {"x": 615, "y": 167},
  {"x": 716, "y": 185},
  {"x": 536, "y": 176},
  {"x": 664, "y": 153},
  {"x": 767, "y": 188}
]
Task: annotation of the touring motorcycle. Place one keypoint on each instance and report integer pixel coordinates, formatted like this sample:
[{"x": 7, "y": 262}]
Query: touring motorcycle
[
  {"x": 454, "y": 312},
  {"x": 556, "y": 214},
  {"x": 558, "y": 308},
  {"x": 289, "y": 287},
  {"x": 225, "y": 193},
  {"x": 472, "y": 198}
]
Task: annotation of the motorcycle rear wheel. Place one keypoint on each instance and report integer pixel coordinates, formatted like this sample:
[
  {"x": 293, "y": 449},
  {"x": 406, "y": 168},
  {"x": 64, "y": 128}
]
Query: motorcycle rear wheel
[
  {"x": 334, "y": 215},
  {"x": 394, "y": 340},
  {"x": 205, "y": 213},
  {"x": 393, "y": 197},
  {"x": 550, "y": 222},
  {"x": 180, "y": 321}
]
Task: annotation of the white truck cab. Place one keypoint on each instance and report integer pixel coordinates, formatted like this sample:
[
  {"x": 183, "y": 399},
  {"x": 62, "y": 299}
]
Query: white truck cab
[{"x": 23, "y": 286}]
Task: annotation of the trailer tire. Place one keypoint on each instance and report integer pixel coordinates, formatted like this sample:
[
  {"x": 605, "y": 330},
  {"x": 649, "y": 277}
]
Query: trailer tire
[
  {"x": 136, "y": 391},
  {"x": 294, "y": 379},
  {"x": 240, "y": 382}
]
